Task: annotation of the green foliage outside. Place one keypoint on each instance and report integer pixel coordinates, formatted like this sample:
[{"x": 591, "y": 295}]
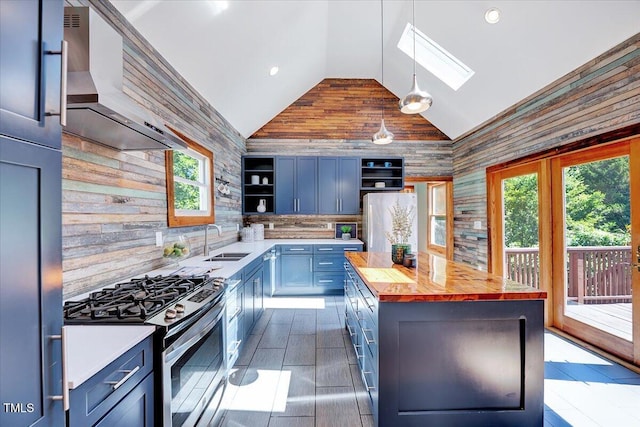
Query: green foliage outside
[
  {"x": 187, "y": 196},
  {"x": 597, "y": 206}
]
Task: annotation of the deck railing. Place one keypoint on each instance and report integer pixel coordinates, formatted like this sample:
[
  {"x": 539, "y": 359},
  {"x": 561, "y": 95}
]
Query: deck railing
[{"x": 595, "y": 274}]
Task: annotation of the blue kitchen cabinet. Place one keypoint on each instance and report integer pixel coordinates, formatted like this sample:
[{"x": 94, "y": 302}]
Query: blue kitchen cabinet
[
  {"x": 296, "y": 185},
  {"x": 339, "y": 185},
  {"x": 30, "y": 45},
  {"x": 296, "y": 270},
  {"x": 253, "y": 294},
  {"x": 312, "y": 269},
  {"x": 328, "y": 267},
  {"x": 234, "y": 300},
  {"x": 30, "y": 214},
  {"x": 121, "y": 394}
]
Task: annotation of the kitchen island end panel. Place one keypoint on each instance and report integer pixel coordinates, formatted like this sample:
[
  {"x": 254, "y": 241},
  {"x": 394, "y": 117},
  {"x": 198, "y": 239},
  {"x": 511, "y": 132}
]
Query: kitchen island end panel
[{"x": 434, "y": 351}]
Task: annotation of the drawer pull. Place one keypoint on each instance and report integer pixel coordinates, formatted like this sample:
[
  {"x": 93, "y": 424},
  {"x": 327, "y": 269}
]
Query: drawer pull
[
  {"x": 325, "y": 249},
  {"x": 349, "y": 328},
  {"x": 117, "y": 384},
  {"x": 325, "y": 281},
  {"x": 366, "y": 339},
  {"x": 325, "y": 263},
  {"x": 238, "y": 311},
  {"x": 296, "y": 249},
  {"x": 364, "y": 379},
  {"x": 236, "y": 347},
  {"x": 355, "y": 348}
]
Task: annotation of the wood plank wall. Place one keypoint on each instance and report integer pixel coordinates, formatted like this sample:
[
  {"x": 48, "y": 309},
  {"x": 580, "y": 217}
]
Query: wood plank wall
[
  {"x": 115, "y": 201},
  {"x": 347, "y": 109},
  {"x": 600, "y": 96},
  {"x": 338, "y": 117},
  {"x": 422, "y": 158}
]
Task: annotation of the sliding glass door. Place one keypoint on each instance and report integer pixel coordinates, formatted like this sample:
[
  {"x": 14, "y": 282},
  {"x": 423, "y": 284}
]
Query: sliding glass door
[
  {"x": 570, "y": 224},
  {"x": 594, "y": 270}
]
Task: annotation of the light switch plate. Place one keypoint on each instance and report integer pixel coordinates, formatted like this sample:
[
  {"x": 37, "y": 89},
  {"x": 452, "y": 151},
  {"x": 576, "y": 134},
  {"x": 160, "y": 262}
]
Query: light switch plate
[
  {"x": 158, "y": 239},
  {"x": 477, "y": 225}
]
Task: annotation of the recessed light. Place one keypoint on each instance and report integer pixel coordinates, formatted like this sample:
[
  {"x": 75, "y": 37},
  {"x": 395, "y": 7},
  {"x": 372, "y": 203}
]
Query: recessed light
[
  {"x": 273, "y": 71},
  {"x": 492, "y": 16}
]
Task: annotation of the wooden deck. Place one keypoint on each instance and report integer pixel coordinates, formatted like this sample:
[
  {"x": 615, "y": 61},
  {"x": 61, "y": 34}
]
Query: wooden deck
[{"x": 612, "y": 318}]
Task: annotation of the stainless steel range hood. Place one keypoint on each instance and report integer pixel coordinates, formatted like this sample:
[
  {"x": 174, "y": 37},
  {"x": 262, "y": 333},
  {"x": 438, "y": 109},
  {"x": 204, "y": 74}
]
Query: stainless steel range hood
[{"x": 97, "y": 108}]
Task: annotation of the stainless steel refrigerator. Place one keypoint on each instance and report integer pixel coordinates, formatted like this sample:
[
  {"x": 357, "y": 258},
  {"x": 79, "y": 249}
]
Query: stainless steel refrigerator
[{"x": 376, "y": 219}]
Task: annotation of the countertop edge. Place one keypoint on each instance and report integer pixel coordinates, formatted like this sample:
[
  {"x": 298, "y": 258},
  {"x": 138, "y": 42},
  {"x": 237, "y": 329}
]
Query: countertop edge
[
  {"x": 89, "y": 348},
  {"x": 516, "y": 295}
]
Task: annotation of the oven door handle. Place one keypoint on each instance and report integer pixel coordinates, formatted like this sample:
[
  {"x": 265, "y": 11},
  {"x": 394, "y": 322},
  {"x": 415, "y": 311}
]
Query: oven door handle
[{"x": 178, "y": 348}]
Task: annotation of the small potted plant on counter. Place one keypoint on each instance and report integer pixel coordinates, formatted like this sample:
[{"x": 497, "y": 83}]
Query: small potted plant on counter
[{"x": 346, "y": 232}]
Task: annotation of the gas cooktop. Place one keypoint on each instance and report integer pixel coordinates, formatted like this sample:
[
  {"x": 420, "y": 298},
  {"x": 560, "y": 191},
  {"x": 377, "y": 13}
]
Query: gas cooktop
[{"x": 158, "y": 300}]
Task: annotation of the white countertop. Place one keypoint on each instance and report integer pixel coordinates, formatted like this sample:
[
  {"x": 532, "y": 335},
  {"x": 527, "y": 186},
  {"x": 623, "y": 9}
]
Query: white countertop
[{"x": 89, "y": 348}]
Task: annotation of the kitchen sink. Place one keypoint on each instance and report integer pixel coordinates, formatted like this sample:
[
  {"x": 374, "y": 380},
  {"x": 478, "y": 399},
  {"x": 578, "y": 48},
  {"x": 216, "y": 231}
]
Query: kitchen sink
[{"x": 228, "y": 256}]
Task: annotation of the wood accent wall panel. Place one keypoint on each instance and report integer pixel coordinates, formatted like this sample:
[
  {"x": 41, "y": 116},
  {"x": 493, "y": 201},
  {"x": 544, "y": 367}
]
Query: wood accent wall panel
[
  {"x": 347, "y": 109},
  {"x": 115, "y": 201},
  {"x": 601, "y": 96}
]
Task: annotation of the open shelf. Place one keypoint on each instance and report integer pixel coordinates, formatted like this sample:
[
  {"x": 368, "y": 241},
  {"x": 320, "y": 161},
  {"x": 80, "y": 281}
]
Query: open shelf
[
  {"x": 255, "y": 169},
  {"x": 389, "y": 171}
]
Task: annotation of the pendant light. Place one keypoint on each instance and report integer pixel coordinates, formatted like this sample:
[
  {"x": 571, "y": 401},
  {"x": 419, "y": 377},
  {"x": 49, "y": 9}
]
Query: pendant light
[
  {"x": 383, "y": 136},
  {"x": 416, "y": 101}
]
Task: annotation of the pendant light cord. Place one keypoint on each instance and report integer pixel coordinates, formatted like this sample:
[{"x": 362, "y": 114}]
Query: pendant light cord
[
  {"x": 413, "y": 13},
  {"x": 382, "y": 49}
]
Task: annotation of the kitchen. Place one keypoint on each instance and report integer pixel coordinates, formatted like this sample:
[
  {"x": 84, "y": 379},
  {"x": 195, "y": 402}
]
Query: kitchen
[{"x": 114, "y": 202}]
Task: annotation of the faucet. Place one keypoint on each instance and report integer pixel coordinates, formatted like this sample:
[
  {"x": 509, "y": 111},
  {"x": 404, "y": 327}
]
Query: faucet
[{"x": 206, "y": 236}]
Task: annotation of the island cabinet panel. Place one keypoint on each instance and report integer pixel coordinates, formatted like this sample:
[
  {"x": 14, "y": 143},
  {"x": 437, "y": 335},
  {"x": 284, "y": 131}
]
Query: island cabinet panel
[
  {"x": 296, "y": 185},
  {"x": 432, "y": 356},
  {"x": 338, "y": 185}
]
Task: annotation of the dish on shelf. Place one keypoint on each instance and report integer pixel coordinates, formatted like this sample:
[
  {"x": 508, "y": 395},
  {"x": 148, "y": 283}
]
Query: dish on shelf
[{"x": 379, "y": 184}]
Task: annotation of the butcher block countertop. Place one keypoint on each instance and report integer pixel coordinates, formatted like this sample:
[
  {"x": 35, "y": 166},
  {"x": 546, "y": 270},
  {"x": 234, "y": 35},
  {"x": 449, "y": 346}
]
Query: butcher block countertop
[{"x": 434, "y": 280}]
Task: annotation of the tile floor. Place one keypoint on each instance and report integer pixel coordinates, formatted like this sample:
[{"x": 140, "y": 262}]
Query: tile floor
[{"x": 298, "y": 369}]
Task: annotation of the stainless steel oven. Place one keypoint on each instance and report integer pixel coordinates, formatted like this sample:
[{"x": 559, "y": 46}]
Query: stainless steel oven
[
  {"x": 189, "y": 343},
  {"x": 193, "y": 370}
]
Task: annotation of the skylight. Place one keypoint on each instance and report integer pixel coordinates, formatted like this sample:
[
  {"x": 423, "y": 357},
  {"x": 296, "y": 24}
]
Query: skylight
[{"x": 434, "y": 58}]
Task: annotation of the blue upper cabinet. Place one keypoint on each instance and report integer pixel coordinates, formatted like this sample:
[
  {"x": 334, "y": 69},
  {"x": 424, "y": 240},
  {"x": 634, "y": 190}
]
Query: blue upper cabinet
[
  {"x": 338, "y": 185},
  {"x": 30, "y": 214},
  {"x": 30, "y": 44},
  {"x": 296, "y": 185}
]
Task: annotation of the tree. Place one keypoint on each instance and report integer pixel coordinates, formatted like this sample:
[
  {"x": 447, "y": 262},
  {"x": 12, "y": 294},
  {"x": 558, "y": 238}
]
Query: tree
[
  {"x": 597, "y": 209},
  {"x": 521, "y": 211},
  {"x": 186, "y": 196}
]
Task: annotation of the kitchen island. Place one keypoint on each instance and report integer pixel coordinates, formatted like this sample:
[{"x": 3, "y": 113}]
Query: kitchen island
[{"x": 445, "y": 344}]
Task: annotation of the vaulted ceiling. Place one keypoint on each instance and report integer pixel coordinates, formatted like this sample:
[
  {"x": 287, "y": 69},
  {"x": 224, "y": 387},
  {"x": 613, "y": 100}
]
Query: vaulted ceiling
[{"x": 226, "y": 49}]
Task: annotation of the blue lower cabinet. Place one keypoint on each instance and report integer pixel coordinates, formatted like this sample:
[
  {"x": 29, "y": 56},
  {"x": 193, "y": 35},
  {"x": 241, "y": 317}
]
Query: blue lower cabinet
[
  {"x": 121, "y": 394},
  {"x": 134, "y": 410},
  {"x": 312, "y": 269}
]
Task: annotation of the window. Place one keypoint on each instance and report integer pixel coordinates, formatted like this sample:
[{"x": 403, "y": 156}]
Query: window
[
  {"x": 438, "y": 215},
  {"x": 434, "y": 58},
  {"x": 189, "y": 185}
]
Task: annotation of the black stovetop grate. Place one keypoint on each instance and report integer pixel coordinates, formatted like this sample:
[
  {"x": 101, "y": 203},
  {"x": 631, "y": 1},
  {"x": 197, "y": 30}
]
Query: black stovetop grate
[{"x": 133, "y": 301}]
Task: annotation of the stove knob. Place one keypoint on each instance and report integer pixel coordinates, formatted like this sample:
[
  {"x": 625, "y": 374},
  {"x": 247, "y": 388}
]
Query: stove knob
[
  {"x": 170, "y": 313},
  {"x": 179, "y": 308}
]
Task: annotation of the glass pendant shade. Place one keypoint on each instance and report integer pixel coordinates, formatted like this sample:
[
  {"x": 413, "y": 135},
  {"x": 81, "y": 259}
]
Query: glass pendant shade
[
  {"x": 383, "y": 136},
  {"x": 416, "y": 101}
]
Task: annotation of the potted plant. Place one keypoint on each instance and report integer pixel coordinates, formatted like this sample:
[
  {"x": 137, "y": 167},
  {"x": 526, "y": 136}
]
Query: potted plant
[
  {"x": 346, "y": 232},
  {"x": 401, "y": 221}
]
